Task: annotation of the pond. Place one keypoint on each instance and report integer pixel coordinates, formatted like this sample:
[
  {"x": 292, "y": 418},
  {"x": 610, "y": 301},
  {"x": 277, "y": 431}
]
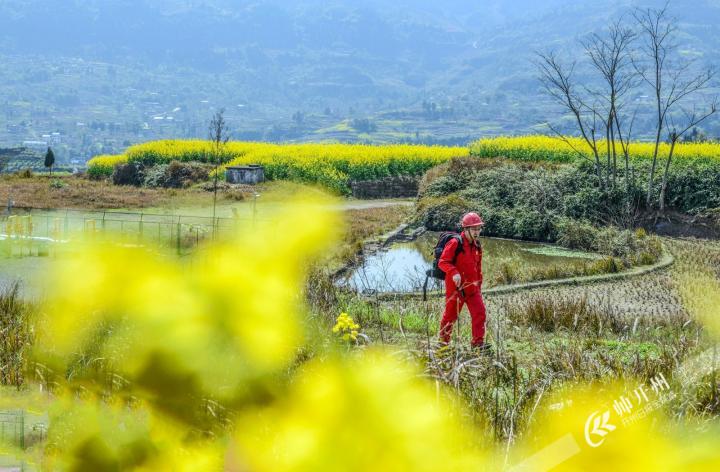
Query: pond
[
  {"x": 401, "y": 267},
  {"x": 28, "y": 270}
]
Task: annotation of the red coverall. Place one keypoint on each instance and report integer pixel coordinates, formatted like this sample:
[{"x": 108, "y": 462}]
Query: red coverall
[{"x": 469, "y": 265}]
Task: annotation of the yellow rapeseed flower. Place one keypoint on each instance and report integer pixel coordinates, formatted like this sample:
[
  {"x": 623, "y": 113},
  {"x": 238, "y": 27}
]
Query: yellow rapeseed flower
[
  {"x": 346, "y": 327},
  {"x": 229, "y": 318},
  {"x": 371, "y": 412}
]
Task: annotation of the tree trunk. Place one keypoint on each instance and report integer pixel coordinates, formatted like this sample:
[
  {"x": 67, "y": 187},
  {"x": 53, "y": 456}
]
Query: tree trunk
[
  {"x": 607, "y": 150},
  {"x": 665, "y": 175},
  {"x": 660, "y": 120},
  {"x": 614, "y": 152},
  {"x": 598, "y": 167}
]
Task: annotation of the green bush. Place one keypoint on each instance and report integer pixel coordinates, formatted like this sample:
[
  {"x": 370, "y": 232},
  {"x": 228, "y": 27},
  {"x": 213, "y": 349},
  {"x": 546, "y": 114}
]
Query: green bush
[
  {"x": 606, "y": 241},
  {"x": 533, "y": 225},
  {"x": 442, "y": 186},
  {"x": 541, "y": 203},
  {"x": 694, "y": 186},
  {"x": 131, "y": 173},
  {"x": 99, "y": 172},
  {"x": 575, "y": 234},
  {"x": 155, "y": 176},
  {"x": 176, "y": 174},
  {"x": 444, "y": 213}
]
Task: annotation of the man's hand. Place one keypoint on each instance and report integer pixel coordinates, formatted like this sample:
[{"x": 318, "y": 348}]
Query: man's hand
[{"x": 457, "y": 279}]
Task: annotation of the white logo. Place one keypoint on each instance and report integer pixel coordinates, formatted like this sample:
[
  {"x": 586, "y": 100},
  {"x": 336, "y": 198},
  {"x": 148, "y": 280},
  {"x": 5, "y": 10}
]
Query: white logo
[{"x": 600, "y": 427}]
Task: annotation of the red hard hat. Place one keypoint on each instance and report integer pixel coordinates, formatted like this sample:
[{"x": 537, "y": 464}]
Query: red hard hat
[{"x": 472, "y": 219}]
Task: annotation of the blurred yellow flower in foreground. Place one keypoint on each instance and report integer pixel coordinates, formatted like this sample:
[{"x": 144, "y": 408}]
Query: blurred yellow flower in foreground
[
  {"x": 370, "y": 412},
  {"x": 208, "y": 326},
  {"x": 618, "y": 426}
]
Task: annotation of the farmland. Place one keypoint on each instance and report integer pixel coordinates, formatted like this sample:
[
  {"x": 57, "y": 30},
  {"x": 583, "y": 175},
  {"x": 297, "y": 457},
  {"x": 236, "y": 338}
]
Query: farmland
[
  {"x": 329, "y": 165},
  {"x": 568, "y": 148},
  {"x": 353, "y": 370}
]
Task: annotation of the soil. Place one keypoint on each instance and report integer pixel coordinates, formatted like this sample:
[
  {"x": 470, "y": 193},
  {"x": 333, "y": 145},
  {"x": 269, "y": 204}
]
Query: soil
[{"x": 680, "y": 225}]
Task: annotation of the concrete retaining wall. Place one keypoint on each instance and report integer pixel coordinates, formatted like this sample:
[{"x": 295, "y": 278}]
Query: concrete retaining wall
[{"x": 397, "y": 186}]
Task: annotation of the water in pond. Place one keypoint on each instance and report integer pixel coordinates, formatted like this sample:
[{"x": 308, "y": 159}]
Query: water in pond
[{"x": 401, "y": 268}]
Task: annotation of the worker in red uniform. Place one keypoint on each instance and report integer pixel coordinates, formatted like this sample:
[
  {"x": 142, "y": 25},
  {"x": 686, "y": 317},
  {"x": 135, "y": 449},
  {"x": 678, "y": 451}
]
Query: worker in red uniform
[{"x": 463, "y": 278}]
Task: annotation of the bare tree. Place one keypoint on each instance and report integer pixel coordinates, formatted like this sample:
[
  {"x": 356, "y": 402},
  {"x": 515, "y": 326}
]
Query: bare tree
[
  {"x": 219, "y": 135},
  {"x": 669, "y": 81},
  {"x": 610, "y": 55},
  {"x": 559, "y": 83},
  {"x": 625, "y": 140},
  {"x": 675, "y": 133}
]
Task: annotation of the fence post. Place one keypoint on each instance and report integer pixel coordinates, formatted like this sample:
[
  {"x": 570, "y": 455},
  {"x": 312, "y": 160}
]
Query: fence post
[
  {"x": 10, "y": 225},
  {"x": 254, "y": 208}
]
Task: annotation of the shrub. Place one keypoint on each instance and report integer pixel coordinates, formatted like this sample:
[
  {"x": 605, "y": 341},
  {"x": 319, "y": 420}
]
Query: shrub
[
  {"x": 180, "y": 174},
  {"x": 645, "y": 258},
  {"x": 442, "y": 186},
  {"x": 430, "y": 176},
  {"x": 155, "y": 176},
  {"x": 606, "y": 265},
  {"x": 176, "y": 174},
  {"x": 693, "y": 180},
  {"x": 443, "y": 214},
  {"x": 575, "y": 234},
  {"x": 131, "y": 173},
  {"x": 533, "y": 225}
]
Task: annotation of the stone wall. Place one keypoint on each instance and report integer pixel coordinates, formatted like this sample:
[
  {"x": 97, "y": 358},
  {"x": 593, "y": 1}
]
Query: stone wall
[{"x": 388, "y": 187}]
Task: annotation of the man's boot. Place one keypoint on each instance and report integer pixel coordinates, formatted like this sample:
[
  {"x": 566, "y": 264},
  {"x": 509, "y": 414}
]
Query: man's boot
[{"x": 482, "y": 348}]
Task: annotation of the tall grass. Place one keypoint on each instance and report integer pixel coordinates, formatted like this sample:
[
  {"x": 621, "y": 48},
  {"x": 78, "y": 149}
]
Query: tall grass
[{"x": 16, "y": 334}]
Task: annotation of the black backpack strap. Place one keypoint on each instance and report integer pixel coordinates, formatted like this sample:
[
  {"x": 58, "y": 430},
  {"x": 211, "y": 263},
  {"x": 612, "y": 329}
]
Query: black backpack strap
[{"x": 459, "y": 247}]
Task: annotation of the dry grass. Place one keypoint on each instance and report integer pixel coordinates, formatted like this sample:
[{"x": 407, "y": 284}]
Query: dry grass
[
  {"x": 367, "y": 222},
  {"x": 627, "y": 330},
  {"x": 362, "y": 224},
  {"x": 81, "y": 193},
  {"x": 16, "y": 335}
]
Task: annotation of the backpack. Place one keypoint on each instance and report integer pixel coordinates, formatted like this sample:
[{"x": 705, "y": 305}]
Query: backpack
[{"x": 436, "y": 272}]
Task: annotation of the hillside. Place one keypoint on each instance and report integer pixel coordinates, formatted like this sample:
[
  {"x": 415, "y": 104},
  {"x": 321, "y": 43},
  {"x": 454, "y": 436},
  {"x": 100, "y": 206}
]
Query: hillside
[
  {"x": 17, "y": 159},
  {"x": 109, "y": 74}
]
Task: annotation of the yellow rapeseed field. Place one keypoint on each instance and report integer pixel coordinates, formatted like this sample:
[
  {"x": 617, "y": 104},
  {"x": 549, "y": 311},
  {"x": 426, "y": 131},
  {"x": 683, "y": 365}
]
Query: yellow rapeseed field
[
  {"x": 329, "y": 165},
  {"x": 554, "y": 149},
  {"x": 333, "y": 166}
]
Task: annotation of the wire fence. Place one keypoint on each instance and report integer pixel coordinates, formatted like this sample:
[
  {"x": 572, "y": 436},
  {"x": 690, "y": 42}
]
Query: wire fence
[
  {"x": 12, "y": 427},
  {"x": 28, "y": 229},
  {"x": 20, "y": 429}
]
